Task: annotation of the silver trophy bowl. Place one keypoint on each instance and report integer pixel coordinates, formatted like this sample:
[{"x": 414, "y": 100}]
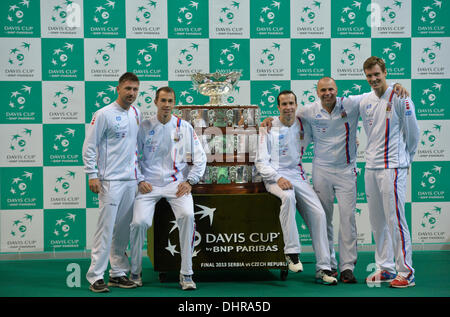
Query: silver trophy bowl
[{"x": 215, "y": 84}]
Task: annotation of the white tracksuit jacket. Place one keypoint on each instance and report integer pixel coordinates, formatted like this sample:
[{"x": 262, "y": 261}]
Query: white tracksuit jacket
[
  {"x": 392, "y": 130},
  {"x": 109, "y": 149},
  {"x": 109, "y": 154},
  {"x": 392, "y": 138},
  {"x": 164, "y": 153},
  {"x": 280, "y": 154},
  {"x": 334, "y": 169},
  {"x": 165, "y": 150}
]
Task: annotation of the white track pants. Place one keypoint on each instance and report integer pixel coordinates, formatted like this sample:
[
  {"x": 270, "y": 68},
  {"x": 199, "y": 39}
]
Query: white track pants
[
  {"x": 303, "y": 198},
  {"x": 113, "y": 230},
  {"x": 386, "y": 192},
  {"x": 144, "y": 208},
  {"x": 331, "y": 183}
]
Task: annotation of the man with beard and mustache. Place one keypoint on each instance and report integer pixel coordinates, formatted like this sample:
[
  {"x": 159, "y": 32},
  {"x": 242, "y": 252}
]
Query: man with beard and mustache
[{"x": 109, "y": 155}]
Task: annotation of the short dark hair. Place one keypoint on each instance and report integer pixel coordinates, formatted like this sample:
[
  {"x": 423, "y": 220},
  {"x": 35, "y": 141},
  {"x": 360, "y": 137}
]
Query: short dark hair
[
  {"x": 286, "y": 92},
  {"x": 128, "y": 76},
  {"x": 165, "y": 89},
  {"x": 374, "y": 60}
]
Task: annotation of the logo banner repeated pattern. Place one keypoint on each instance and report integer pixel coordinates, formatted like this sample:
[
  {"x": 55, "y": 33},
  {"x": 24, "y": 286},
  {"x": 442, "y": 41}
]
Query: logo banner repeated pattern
[{"x": 60, "y": 61}]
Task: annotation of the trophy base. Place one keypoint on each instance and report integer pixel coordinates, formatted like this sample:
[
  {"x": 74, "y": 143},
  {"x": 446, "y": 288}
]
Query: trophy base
[{"x": 233, "y": 188}]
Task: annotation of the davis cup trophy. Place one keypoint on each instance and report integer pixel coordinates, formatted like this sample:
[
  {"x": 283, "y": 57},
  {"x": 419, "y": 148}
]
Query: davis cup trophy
[{"x": 228, "y": 134}]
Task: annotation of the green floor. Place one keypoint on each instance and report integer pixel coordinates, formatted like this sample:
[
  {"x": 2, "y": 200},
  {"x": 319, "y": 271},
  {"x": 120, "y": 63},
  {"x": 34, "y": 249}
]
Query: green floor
[{"x": 47, "y": 278}]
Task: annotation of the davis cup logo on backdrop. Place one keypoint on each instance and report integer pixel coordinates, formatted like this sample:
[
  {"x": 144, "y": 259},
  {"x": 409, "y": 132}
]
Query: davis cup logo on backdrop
[
  {"x": 310, "y": 58},
  {"x": 269, "y": 60},
  {"x": 104, "y": 18},
  {"x": 230, "y": 55},
  {"x": 63, "y": 183},
  {"x": 430, "y": 52},
  {"x": 430, "y": 98},
  {"x": 19, "y": 97},
  {"x": 310, "y": 18},
  {"x": 429, "y": 182},
  {"x": 390, "y": 18},
  {"x": 21, "y": 145},
  {"x": 430, "y": 18},
  {"x": 270, "y": 18},
  {"x": 64, "y": 144},
  {"x": 228, "y": 13},
  {"x": 430, "y": 218},
  {"x": 98, "y": 95},
  {"x": 105, "y": 59},
  {"x": 18, "y": 55},
  {"x": 229, "y": 19},
  {"x": 23, "y": 100},
  {"x": 269, "y": 55},
  {"x": 18, "y": 141},
  {"x": 103, "y": 54},
  {"x": 147, "y": 59},
  {"x": 19, "y": 227},
  {"x": 433, "y": 146},
  {"x": 188, "y": 18},
  {"x": 349, "y": 57},
  {"x": 102, "y": 14},
  {"x": 204, "y": 212},
  {"x": 65, "y": 229},
  {"x": 20, "y": 59},
  {"x": 63, "y": 187},
  {"x": 61, "y": 98},
  {"x": 22, "y": 188},
  {"x": 62, "y": 59},
  {"x": 187, "y": 55},
  {"x": 430, "y": 222},
  {"x": 61, "y": 18},
  {"x": 429, "y": 58},
  {"x": 264, "y": 94},
  {"x": 350, "y": 19},
  {"x": 396, "y": 54},
  {"x": 310, "y": 13},
  {"x": 63, "y": 102},
  {"x": 20, "y": 185},
  {"x": 20, "y": 18},
  {"x": 145, "y": 11}
]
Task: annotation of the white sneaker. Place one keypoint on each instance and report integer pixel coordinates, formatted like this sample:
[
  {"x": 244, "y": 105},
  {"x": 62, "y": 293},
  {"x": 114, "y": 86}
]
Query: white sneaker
[
  {"x": 294, "y": 263},
  {"x": 324, "y": 277},
  {"x": 186, "y": 282},
  {"x": 136, "y": 279}
]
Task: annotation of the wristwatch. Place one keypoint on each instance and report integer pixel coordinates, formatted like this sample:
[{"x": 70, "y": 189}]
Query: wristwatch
[{"x": 191, "y": 182}]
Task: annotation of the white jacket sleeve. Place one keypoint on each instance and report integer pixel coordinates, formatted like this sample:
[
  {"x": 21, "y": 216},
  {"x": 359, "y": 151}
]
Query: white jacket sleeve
[
  {"x": 140, "y": 152},
  {"x": 91, "y": 144},
  {"x": 411, "y": 131},
  {"x": 198, "y": 157},
  {"x": 262, "y": 162},
  {"x": 305, "y": 127}
]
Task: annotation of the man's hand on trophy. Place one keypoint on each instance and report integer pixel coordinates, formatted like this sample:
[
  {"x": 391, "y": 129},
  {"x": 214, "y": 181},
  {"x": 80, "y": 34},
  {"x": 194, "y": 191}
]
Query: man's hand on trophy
[{"x": 267, "y": 123}]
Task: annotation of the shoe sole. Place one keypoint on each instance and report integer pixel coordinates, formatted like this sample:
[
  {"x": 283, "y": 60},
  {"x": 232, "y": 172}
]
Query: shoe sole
[
  {"x": 121, "y": 285},
  {"x": 320, "y": 281},
  {"x": 103, "y": 290},
  {"x": 403, "y": 286}
]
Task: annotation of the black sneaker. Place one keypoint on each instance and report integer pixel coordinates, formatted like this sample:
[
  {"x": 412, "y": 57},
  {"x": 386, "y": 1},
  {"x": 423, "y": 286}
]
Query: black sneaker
[
  {"x": 99, "y": 286},
  {"x": 122, "y": 282},
  {"x": 348, "y": 277},
  {"x": 334, "y": 273}
]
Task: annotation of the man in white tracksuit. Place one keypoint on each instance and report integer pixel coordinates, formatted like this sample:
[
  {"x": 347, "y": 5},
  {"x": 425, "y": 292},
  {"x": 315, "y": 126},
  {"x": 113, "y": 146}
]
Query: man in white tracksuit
[
  {"x": 166, "y": 144},
  {"x": 109, "y": 155},
  {"x": 279, "y": 163},
  {"x": 392, "y": 138},
  {"x": 332, "y": 123}
]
